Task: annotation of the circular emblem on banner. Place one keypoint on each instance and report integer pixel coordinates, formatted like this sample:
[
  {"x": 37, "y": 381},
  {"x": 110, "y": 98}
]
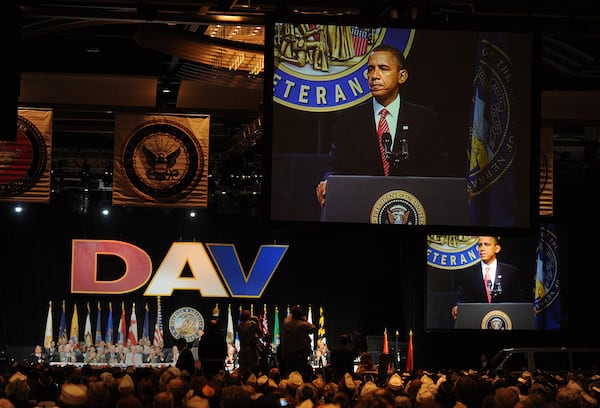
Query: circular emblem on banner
[
  {"x": 322, "y": 67},
  {"x": 398, "y": 207},
  {"x": 492, "y": 145},
  {"x": 186, "y": 322},
  {"x": 23, "y": 161},
  {"x": 162, "y": 161},
  {"x": 547, "y": 282},
  {"x": 496, "y": 320}
]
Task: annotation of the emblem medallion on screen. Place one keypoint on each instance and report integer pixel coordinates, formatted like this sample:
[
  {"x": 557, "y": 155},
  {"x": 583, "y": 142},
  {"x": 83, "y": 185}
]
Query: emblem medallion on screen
[
  {"x": 329, "y": 73},
  {"x": 398, "y": 207},
  {"x": 452, "y": 252},
  {"x": 547, "y": 288},
  {"x": 496, "y": 320},
  {"x": 186, "y": 322}
]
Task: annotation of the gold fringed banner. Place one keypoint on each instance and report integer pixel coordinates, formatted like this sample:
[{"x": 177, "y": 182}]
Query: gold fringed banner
[
  {"x": 25, "y": 163},
  {"x": 161, "y": 160}
]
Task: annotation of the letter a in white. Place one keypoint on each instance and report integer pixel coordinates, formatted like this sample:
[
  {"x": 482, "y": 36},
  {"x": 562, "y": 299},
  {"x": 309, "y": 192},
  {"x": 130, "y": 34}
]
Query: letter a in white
[{"x": 168, "y": 275}]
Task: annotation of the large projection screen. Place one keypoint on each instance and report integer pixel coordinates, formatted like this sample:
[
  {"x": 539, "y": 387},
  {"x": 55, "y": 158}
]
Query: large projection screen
[{"x": 479, "y": 84}]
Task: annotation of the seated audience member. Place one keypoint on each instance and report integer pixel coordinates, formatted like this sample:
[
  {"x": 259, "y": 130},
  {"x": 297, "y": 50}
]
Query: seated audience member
[
  {"x": 163, "y": 399},
  {"x": 91, "y": 356},
  {"x": 98, "y": 395},
  {"x": 52, "y": 352},
  {"x": 18, "y": 391},
  {"x": 73, "y": 396},
  {"x": 366, "y": 366}
]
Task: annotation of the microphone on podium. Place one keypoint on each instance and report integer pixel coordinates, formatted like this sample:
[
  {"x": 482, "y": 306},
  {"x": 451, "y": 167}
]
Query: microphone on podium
[
  {"x": 404, "y": 149},
  {"x": 394, "y": 158},
  {"x": 386, "y": 141}
]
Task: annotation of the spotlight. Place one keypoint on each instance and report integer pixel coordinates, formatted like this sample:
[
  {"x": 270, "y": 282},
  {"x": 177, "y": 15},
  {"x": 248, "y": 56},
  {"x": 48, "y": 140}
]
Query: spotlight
[
  {"x": 105, "y": 205},
  {"x": 192, "y": 213},
  {"x": 18, "y": 209}
]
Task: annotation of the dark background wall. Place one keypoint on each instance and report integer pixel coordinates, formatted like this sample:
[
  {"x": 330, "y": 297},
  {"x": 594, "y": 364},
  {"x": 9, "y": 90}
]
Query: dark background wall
[{"x": 367, "y": 278}]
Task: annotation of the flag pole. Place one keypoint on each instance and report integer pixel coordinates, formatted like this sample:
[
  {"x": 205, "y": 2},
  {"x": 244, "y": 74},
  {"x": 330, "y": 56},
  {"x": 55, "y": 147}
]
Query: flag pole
[
  {"x": 386, "y": 349},
  {"x": 396, "y": 353}
]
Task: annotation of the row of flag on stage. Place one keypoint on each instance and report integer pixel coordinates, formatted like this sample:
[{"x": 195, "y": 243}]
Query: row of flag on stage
[
  {"x": 131, "y": 335},
  {"x": 409, "y": 350},
  {"x": 124, "y": 335},
  {"x": 127, "y": 329}
]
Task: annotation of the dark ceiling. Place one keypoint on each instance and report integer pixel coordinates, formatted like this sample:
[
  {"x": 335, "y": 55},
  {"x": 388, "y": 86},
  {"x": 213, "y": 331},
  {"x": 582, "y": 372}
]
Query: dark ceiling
[
  {"x": 127, "y": 38},
  {"x": 61, "y": 36}
]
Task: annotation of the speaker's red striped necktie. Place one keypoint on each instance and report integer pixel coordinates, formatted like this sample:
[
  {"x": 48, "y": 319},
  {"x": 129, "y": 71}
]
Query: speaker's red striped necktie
[
  {"x": 382, "y": 128},
  {"x": 488, "y": 283}
]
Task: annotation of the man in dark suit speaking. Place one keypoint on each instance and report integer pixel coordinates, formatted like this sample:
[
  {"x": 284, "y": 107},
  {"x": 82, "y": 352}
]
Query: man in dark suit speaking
[
  {"x": 489, "y": 281},
  {"x": 387, "y": 135}
]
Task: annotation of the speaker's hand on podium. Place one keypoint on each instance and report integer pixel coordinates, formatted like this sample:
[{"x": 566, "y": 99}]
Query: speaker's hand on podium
[
  {"x": 321, "y": 192},
  {"x": 454, "y": 312}
]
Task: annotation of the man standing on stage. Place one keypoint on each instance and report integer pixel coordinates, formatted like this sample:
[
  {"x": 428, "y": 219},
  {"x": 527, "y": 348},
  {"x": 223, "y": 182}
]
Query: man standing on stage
[{"x": 296, "y": 344}]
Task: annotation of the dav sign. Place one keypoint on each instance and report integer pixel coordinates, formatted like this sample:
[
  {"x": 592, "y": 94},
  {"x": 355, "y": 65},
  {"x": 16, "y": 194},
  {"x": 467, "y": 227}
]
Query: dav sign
[{"x": 226, "y": 280}]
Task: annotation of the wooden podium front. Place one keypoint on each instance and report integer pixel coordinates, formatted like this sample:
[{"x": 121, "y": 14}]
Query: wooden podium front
[
  {"x": 396, "y": 200},
  {"x": 495, "y": 316}
]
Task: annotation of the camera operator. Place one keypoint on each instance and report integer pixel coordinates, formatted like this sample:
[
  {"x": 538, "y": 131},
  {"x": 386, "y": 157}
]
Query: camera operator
[
  {"x": 249, "y": 332},
  {"x": 295, "y": 344}
]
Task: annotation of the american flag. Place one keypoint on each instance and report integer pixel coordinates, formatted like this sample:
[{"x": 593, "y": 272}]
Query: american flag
[
  {"x": 265, "y": 323},
  {"x": 316, "y": 36},
  {"x": 360, "y": 38},
  {"x": 146, "y": 328},
  {"x": 158, "y": 327}
]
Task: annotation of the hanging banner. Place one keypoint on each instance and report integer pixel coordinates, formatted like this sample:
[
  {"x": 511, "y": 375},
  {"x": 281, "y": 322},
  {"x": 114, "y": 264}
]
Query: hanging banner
[
  {"x": 161, "y": 160},
  {"x": 25, "y": 162}
]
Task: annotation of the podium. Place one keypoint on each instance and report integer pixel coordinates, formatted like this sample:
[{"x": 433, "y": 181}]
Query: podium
[
  {"x": 495, "y": 316},
  {"x": 396, "y": 200}
]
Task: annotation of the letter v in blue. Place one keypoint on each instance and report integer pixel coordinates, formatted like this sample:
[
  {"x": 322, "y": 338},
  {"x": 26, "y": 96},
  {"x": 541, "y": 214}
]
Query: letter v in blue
[{"x": 264, "y": 266}]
